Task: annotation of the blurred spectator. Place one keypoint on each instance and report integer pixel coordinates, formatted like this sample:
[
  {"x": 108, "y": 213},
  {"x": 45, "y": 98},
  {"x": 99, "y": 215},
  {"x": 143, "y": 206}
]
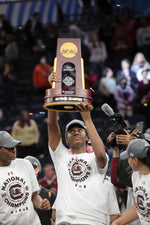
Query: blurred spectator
[
  {"x": 2, "y": 47},
  {"x": 9, "y": 84},
  {"x": 11, "y": 50},
  {"x": 40, "y": 75},
  {"x": 50, "y": 41},
  {"x": 26, "y": 130},
  {"x": 107, "y": 86},
  {"x": 143, "y": 37},
  {"x": 75, "y": 31},
  {"x": 122, "y": 39},
  {"x": 38, "y": 49},
  {"x": 32, "y": 30},
  {"x": 5, "y": 24},
  {"x": 49, "y": 180},
  {"x": 98, "y": 54},
  {"x": 90, "y": 78},
  {"x": 143, "y": 73},
  {"x": 121, "y": 43},
  {"x": 130, "y": 75},
  {"x": 143, "y": 90},
  {"x": 144, "y": 107},
  {"x": 124, "y": 96},
  {"x": 138, "y": 62}
]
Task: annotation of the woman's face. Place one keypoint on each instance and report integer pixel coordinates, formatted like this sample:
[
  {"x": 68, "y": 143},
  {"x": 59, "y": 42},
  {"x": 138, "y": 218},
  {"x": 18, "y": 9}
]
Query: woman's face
[
  {"x": 94, "y": 38},
  {"x": 125, "y": 65},
  {"x": 132, "y": 163},
  {"x": 109, "y": 73},
  {"x": 25, "y": 116},
  {"x": 140, "y": 58}
]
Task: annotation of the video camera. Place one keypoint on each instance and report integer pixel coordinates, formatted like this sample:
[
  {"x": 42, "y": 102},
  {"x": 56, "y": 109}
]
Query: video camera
[{"x": 118, "y": 127}]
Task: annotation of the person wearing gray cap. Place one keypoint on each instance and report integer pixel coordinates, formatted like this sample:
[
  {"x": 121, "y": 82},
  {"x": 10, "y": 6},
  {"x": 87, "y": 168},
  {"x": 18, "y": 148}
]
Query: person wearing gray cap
[
  {"x": 18, "y": 186},
  {"x": 44, "y": 215},
  {"x": 138, "y": 155},
  {"x": 81, "y": 196}
]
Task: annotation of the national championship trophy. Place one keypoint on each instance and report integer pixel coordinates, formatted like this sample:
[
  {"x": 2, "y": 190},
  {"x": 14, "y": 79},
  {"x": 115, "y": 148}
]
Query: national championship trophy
[{"x": 70, "y": 91}]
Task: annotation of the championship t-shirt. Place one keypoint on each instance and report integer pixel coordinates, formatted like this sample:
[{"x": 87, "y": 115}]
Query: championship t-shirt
[{"x": 17, "y": 183}]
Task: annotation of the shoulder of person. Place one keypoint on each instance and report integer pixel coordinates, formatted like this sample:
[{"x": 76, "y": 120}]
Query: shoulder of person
[
  {"x": 23, "y": 162},
  {"x": 136, "y": 175},
  {"x": 33, "y": 121}
]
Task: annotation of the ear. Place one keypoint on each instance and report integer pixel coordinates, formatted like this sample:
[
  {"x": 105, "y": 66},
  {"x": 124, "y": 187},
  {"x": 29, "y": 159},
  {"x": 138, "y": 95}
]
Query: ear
[
  {"x": 66, "y": 140},
  {"x": 136, "y": 161},
  {"x": 87, "y": 138},
  {"x": 36, "y": 171}
]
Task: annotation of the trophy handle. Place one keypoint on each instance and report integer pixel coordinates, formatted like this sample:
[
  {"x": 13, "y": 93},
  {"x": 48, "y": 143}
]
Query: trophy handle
[{"x": 54, "y": 69}]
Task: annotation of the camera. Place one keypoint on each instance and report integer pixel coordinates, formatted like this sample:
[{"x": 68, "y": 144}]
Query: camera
[
  {"x": 145, "y": 72},
  {"x": 117, "y": 129}
]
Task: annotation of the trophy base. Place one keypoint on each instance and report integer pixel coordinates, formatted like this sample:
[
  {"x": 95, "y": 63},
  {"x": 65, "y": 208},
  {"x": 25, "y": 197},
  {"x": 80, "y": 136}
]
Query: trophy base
[
  {"x": 56, "y": 102},
  {"x": 63, "y": 107}
]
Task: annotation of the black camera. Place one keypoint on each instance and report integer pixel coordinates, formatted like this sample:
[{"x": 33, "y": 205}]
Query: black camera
[{"x": 117, "y": 129}]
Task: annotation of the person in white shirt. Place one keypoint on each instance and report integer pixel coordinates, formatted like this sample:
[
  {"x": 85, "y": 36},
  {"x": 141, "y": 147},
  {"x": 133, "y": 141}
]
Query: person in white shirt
[
  {"x": 18, "y": 186},
  {"x": 138, "y": 155},
  {"x": 80, "y": 197}
]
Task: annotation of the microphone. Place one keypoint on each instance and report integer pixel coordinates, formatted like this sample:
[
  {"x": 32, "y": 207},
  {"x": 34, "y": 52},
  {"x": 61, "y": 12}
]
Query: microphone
[{"x": 109, "y": 112}]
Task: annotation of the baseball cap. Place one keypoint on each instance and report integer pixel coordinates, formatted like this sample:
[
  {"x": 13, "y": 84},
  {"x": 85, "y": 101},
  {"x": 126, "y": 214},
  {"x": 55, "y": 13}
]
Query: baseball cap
[
  {"x": 34, "y": 161},
  {"x": 75, "y": 122},
  {"x": 147, "y": 137},
  {"x": 7, "y": 141},
  {"x": 136, "y": 149}
]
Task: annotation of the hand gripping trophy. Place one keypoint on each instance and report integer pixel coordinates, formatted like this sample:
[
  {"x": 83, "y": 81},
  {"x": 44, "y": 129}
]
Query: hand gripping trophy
[{"x": 70, "y": 91}]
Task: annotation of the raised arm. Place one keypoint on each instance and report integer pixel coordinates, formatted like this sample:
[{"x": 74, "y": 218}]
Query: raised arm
[
  {"x": 96, "y": 142},
  {"x": 54, "y": 134}
]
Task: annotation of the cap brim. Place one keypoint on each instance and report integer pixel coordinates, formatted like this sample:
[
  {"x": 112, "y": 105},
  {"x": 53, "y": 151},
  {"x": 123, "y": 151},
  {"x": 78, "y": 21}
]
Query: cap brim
[
  {"x": 12, "y": 144},
  {"x": 147, "y": 137},
  {"x": 124, "y": 155},
  {"x": 75, "y": 123}
]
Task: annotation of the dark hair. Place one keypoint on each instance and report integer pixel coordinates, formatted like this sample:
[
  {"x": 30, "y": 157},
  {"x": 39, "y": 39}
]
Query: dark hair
[
  {"x": 105, "y": 71},
  {"x": 126, "y": 60},
  {"x": 146, "y": 160},
  {"x": 21, "y": 122}
]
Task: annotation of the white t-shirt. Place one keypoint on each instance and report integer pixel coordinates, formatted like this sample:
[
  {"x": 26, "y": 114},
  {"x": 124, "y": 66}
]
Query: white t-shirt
[
  {"x": 110, "y": 195},
  {"x": 141, "y": 191},
  {"x": 17, "y": 183},
  {"x": 80, "y": 197}
]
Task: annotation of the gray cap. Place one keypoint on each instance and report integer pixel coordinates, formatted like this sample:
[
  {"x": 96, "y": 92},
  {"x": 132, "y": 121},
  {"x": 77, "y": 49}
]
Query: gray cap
[
  {"x": 34, "y": 161},
  {"x": 147, "y": 137},
  {"x": 7, "y": 141},
  {"x": 77, "y": 122},
  {"x": 136, "y": 149}
]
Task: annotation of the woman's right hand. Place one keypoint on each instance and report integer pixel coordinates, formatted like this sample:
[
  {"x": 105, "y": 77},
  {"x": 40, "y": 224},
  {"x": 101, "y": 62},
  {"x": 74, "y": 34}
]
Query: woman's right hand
[{"x": 53, "y": 77}]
